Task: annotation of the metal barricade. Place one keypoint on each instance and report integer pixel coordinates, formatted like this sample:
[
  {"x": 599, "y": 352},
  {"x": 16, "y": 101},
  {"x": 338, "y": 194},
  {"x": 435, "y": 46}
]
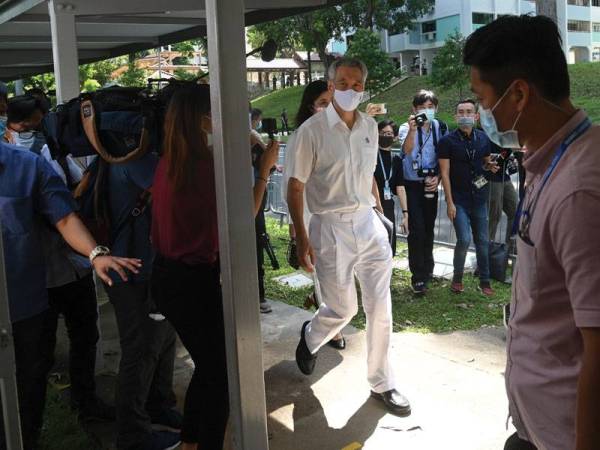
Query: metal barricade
[{"x": 8, "y": 383}]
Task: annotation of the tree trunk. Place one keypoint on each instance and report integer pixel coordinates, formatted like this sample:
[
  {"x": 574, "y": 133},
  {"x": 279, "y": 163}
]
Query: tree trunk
[
  {"x": 309, "y": 62},
  {"x": 370, "y": 13}
]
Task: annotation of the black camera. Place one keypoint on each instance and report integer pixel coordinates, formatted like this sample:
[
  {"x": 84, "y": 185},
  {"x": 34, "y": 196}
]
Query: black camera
[
  {"x": 502, "y": 158},
  {"x": 424, "y": 173},
  {"x": 269, "y": 126},
  {"x": 420, "y": 119}
]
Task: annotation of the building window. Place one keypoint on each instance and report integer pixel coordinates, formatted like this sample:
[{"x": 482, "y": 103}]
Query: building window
[
  {"x": 596, "y": 3},
  {"x": 482, "y": 18},
  {"x": 578, "y": 26},
  {"x": 579, "y": 2},
  {"x": 596, "y": 27},
  {"x": 428, "y": 27}
]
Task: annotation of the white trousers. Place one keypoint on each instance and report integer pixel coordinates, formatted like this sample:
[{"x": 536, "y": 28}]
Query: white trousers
[{"x": 349, "y": 245}]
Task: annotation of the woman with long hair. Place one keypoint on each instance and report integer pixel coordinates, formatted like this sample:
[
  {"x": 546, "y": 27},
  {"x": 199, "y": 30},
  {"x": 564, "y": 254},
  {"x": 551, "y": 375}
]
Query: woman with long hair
[
  {"x": 316, "y": 98},
  {"x": 186, "y": 276}
]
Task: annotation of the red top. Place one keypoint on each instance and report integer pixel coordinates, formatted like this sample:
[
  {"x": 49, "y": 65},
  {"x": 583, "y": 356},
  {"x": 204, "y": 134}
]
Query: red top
[{"x": 184, "y": 224}]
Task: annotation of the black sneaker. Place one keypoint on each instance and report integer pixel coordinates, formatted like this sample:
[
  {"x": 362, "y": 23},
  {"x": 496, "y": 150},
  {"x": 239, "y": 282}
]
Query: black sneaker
[
  {"x": 161, "y": 440},
  {"x": 95, "y": 410},
  {"x": 265, "y": 308},
  {"x": 419, "y": 288},
  {"x": 167, "y": 420}
]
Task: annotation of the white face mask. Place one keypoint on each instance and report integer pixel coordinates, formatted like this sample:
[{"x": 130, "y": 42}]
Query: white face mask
[
  {"x": 24, "y": 139},
  {"x": 503, "y": 139},
  {"x": 348, "y": 100}
]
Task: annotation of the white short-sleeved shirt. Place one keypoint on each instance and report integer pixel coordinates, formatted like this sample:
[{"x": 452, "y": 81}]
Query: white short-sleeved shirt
[{"x": 336, "y": 164}]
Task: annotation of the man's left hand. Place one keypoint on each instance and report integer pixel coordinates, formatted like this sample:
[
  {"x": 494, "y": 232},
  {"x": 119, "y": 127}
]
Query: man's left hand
[
  {"x": 431, "y": 183},
  {"x": 103, "y": 264}
]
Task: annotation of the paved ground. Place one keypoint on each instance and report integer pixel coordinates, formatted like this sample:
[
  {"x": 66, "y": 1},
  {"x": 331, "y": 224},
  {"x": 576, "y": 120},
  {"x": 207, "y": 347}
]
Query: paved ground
[{"x": 454, "y": 382}]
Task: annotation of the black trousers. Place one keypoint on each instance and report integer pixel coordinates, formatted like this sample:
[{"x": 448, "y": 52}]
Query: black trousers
[
  {"x": 261, "y": 227},
  {"x": 190, "y": 297},
  {"x": 422, "y": 213},
  {"x": 32, "y": 340},
  {"x": 76, "y": 301},
  {"x": 145, "y": 381},
  {"x": 389, "y": 211}
]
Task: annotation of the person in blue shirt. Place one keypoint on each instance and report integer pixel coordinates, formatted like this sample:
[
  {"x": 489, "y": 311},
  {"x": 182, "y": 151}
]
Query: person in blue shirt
[
  {"x": 33, "y": 196},
  {"x": 464, "y": 158},
  {"x": 421, "y": 180},
  {"x": 144, "y": 395}
]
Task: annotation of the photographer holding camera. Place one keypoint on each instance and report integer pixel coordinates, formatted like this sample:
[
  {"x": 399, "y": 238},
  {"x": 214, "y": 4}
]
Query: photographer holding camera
[
  {"x": 503, "y": 195},
  {"x": 464, "y": 155},
  {"x": 419, "y": 138}
]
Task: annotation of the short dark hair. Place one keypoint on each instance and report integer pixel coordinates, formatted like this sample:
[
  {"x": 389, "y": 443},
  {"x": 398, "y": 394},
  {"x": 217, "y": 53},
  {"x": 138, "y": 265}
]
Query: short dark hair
[
  {"x": 42, "y": 97},
  {"x": 255, "y": 113},
  {"x": 385, "y": 123},
  {"x": 22, "y": 107},
  {"x": 423, "y": 96},
  {"x": 527, "y": 47},
  {"x": 466, "y": 100}
]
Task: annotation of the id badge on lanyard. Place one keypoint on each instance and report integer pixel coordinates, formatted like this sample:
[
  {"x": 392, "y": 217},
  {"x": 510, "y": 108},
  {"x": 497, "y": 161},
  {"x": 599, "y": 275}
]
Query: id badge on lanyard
[{"x": 387, "y": 192}]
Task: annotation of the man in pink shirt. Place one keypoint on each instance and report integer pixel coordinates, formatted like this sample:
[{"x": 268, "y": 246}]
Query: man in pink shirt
[{"x": 519, "y": 73}]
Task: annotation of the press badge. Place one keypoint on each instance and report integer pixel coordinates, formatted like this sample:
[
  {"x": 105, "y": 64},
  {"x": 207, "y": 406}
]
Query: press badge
[
  {"x": 415, "y": 165},
  {"x": 387, "y": 193},
  {"x": 480, "y": 182}
]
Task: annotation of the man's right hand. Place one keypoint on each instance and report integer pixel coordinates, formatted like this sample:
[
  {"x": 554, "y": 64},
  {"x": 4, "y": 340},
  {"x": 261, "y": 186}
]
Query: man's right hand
[
  {"x": 306, "y": 254},
  {"x": 269, "y": 157},
  {"x": 451, "y": 212},
  {"x": 412, "y": 124}
]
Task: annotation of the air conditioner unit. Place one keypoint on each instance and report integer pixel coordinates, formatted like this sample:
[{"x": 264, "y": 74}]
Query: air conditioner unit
[{"x": 430, "y": 36}]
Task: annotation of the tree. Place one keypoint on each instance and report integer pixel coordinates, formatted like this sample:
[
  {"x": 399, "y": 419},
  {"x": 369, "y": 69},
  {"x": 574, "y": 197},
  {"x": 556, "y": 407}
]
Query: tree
[
  {"x": 184, "y": 75},
  {"x": 134, "y": 77},
  {"x": 396, "y": 16},
  {"x": 314, "y": 30},
  {"x": 448, "y": 70},
  {"x": 365, "y": 45}
]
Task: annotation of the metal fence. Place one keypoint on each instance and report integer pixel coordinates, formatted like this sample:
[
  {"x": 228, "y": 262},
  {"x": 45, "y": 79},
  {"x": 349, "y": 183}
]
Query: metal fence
[{"x": 444, "y": 230}]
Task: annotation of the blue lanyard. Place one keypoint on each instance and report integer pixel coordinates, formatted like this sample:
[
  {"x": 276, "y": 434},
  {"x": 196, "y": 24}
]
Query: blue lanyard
[
  {"x": 527, "y": 214},
  {"x": 385, "y": 177}
]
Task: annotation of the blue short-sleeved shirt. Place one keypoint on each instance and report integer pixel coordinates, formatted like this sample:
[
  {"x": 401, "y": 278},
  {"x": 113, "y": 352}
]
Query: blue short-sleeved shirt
[
  {"x": 131, "y": 238},
  {"x": 424, "y": 154},
  {"x": 30, "y": 193}
]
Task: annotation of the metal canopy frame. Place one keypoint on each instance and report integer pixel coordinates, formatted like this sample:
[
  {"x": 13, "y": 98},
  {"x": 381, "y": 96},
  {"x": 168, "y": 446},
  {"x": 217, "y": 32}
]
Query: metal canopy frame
[{"x": 62, "y": 34}]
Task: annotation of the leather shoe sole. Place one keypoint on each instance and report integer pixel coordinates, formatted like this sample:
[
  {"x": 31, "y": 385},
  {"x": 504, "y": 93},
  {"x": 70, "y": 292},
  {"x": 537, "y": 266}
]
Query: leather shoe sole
[
  {"x": 338, "y": 344},
  {"x": 398, "y": 409},
  {"x": 306, "y": 361}
]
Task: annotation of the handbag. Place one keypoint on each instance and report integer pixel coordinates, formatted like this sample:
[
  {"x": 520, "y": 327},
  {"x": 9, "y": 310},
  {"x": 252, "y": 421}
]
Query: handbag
[{"x": 387, "y": 223}]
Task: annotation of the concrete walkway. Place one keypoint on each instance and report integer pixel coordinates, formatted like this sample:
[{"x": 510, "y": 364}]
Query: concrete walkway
[{"x": 454, "y": 382}]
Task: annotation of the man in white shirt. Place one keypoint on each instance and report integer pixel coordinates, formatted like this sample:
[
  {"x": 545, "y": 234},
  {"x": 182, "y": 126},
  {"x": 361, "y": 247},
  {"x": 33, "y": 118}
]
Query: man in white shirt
[{"x": 334, "y": 158}]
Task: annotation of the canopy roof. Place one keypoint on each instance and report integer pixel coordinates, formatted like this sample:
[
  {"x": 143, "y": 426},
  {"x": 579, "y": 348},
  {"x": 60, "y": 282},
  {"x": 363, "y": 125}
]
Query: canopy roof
[{"x": 109, "y": 28}]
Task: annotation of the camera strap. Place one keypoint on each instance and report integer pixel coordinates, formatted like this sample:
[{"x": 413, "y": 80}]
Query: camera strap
[
  {"x": 431, "y": 133},
  {"x": 88, "y": 120}
]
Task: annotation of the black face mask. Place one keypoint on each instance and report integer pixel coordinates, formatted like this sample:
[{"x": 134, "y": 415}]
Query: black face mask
[{"x": 386, "y": 141}]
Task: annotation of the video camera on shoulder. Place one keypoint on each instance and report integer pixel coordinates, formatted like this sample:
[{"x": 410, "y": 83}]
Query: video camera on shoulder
[{"x": 424, "y": 173}]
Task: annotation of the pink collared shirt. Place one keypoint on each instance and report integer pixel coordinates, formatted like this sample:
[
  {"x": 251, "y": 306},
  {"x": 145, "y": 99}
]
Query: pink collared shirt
[{"x": 556, "y": 289}]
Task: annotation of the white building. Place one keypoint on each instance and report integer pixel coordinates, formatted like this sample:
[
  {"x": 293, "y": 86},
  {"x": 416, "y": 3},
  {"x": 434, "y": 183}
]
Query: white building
[{"x": 578, "y": 20}]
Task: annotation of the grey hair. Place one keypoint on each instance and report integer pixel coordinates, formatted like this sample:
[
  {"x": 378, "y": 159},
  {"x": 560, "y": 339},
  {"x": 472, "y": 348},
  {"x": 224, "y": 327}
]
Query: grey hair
[{"x": 347, "y": 62}]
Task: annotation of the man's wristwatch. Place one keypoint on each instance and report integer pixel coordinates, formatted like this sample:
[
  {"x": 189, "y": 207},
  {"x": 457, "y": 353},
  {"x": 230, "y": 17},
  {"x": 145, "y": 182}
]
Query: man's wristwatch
[{"x": 99, "y": 251}]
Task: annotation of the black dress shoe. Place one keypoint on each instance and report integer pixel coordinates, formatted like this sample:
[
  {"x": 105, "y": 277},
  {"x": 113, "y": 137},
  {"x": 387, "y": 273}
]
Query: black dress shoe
[
  {"x": 304, "y": 358},
  {"x": 395, "y": 402},
  {"x": 338, "y": 344}
]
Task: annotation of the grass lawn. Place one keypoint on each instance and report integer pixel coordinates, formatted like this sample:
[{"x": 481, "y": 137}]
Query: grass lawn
[
  {"x": 61, "y": 429},
  {"x": 584, "y": 93},
  {"x": 439, "y": 311}
]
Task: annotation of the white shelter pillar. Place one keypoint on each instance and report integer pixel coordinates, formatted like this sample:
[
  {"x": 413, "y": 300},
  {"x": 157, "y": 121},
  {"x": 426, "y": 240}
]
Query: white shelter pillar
[
  {"x": 229, "y": 105},
  {"x": 64, "y": 50}
]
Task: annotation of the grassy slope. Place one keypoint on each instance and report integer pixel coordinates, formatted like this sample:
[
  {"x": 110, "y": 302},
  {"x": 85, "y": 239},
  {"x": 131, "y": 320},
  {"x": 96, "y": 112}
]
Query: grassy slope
[
  {"x": 584, "y": 92},
  {"x": 439, "y": 311}
]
